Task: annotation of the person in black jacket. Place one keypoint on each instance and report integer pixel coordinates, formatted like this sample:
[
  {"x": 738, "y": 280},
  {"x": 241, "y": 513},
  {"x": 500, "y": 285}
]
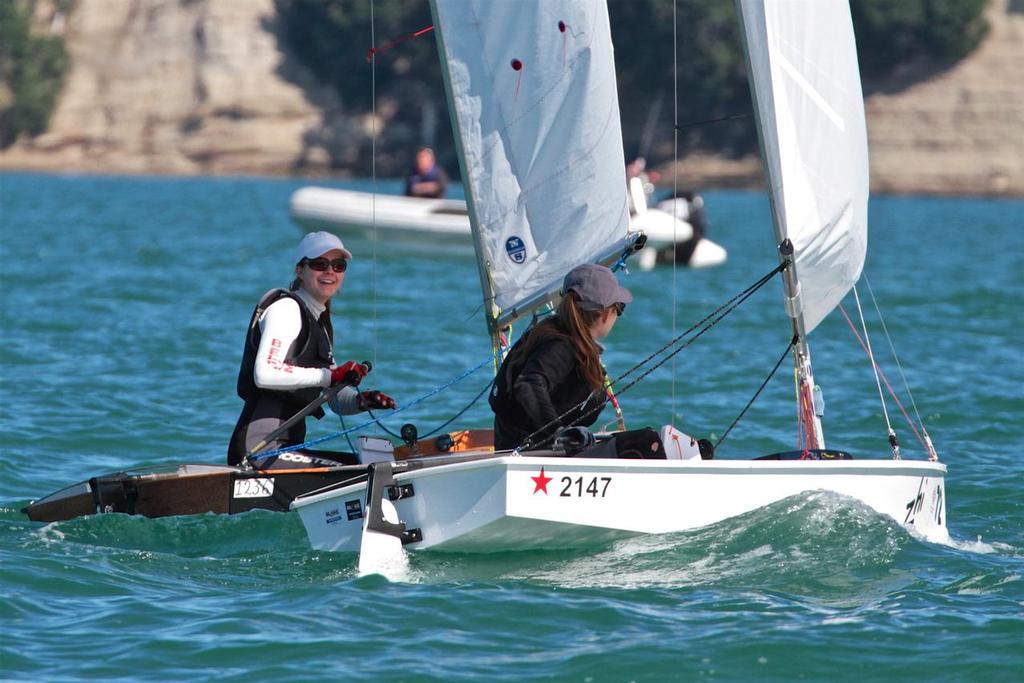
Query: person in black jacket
[{"x": 552, "y": 377}]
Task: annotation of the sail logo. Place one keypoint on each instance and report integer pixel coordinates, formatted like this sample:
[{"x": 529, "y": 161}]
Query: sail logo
[{"x": 515, "y": 249}]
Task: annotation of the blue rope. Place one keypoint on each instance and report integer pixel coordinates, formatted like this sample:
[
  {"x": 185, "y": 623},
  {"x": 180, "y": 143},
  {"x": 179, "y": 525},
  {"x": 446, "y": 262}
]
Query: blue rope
[{"x": 376, "y": 420}]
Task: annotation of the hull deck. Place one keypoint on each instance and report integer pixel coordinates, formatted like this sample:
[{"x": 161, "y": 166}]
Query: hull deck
[
  {"x": 187, "y": 490},
  {"x": 517, "y": 503}
]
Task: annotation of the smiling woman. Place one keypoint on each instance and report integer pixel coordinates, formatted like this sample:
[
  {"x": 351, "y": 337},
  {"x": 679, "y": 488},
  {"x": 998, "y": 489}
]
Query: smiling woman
[{"x": 289, "y": 359}]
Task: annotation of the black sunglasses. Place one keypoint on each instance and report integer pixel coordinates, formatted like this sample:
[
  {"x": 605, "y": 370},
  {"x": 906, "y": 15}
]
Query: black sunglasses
[
  {"x": 338, "y": 265},
  {"x": 620, "y": 308}
]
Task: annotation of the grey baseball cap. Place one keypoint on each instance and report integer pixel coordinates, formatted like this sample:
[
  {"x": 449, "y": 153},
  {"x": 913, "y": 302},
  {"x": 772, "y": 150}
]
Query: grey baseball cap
[{"x": 596, "y": 287}]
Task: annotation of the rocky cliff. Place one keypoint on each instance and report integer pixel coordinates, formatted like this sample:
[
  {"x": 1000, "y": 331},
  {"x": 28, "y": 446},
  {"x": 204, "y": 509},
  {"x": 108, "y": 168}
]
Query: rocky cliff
[
  {"x": 203, "y": 86},
  {"x": 954, "y": 131},
  {"x": 178, "y": 86},
  {"x": 961, "y": 130}
]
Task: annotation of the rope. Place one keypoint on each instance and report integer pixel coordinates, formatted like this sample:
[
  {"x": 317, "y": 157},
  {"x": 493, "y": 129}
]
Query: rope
[
  {"x": 758, "y": 392},
  {"x": 871, "y": 357},
  {"x": 444, "y": 424},
  {"x": 738, "y": 299},
  {"x": 888, "y": 386},
  {"x": 807, "y": 418},
  {"x": 614, "y": 400},
  {"x": 893, "y": 442},
  {"x": 927, "y": 441},
  {"x": 374, "y": 51},
  {"x": 799, "y": 408},
  {"x": 373, "y": 421},
  {"x": 714, "y": 317},
  {"x": 675, "y": 185},
  {"x": 341, "y": 418},
  {"x": 371, "y": 57},
  {"x": 730, "y": 117}
]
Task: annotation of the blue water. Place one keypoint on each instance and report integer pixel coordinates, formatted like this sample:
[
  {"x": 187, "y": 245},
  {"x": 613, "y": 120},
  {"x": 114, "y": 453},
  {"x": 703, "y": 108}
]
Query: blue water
[{"x": 123, "y": 307}]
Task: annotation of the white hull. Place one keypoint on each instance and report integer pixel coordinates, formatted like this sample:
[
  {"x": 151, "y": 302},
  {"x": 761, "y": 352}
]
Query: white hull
[
  {"x": 349, "y": 213},
  {"x": 497, "y": 504}
]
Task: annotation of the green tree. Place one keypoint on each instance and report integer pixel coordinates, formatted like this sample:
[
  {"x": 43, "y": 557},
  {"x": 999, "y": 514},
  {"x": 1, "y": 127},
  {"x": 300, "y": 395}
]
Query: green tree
[
  {"x": 332, "y": 38},
  {"x": 713, "y": 96},
  {"x": 708, "y": 84},
  {"x": 891, "y": 33},
  {"x": 31, "y": 73}
]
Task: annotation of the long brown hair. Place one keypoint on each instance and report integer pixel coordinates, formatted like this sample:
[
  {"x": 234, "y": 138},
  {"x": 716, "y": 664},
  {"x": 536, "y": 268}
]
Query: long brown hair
[{"x": 572, "y": 324}]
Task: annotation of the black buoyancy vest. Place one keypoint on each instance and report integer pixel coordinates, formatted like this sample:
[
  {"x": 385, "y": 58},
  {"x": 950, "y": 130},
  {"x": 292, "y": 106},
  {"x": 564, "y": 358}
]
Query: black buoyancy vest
[
  {"x": 572, "y": 393},
  {"x": 311, "y": 349},
  {"x": 500, "y": 397}
]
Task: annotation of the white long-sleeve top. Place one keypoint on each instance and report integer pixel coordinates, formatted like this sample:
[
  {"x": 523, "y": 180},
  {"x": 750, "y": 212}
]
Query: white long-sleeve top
[{"x": 280, "y": 326}]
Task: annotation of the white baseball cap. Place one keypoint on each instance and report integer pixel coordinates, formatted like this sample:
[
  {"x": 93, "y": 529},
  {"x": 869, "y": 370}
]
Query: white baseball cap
[{"x": 316, "y": 244}]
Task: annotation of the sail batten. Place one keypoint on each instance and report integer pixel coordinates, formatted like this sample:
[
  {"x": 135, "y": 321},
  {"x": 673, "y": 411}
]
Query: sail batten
[
  {"x": 809, "y": 107},
  {"x": 532, "y": 91}
]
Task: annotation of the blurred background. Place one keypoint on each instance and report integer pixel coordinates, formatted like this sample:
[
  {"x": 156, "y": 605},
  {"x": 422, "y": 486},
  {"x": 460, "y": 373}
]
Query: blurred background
[{"x": 285, "y": 87}]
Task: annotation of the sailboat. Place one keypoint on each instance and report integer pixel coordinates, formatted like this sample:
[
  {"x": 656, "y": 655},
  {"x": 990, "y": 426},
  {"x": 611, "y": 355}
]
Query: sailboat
[{"x": 532, "y": 89}]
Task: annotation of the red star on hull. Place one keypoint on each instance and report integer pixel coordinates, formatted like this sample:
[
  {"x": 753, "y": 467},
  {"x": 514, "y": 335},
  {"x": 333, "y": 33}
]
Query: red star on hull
[{"x": 541, "y": 482}]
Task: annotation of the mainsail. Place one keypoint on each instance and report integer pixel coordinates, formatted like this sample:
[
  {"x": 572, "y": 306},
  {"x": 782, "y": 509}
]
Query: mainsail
[
  {"x": 531, "y": 86},
  {"x": 803, "y": 73}
]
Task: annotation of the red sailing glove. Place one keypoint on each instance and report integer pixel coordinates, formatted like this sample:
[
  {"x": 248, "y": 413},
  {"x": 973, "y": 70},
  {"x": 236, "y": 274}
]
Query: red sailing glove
[
  {"x": 350, "y": 372},
  {"x": 369, "y": 400}
]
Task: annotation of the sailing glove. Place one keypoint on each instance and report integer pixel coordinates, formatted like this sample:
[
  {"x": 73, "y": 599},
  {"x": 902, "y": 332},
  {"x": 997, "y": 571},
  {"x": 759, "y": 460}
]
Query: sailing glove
[
  {"x": 574, "y": 439},
  {"x": 369, "y": 400},
  {"x": 350, "y": 372}
]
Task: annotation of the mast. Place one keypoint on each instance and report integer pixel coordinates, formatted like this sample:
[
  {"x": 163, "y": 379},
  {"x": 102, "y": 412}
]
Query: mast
[{"x": 809, "y": 400}]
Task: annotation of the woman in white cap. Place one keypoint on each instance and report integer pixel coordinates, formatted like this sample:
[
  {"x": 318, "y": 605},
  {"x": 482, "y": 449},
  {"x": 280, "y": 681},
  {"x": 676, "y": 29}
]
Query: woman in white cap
[
  {"x": 552, "y": 377},
  {"x": 288, "y": 359}
]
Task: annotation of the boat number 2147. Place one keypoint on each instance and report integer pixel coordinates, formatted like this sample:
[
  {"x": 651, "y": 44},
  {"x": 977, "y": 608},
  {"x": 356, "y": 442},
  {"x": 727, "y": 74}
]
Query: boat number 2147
[{"x": 595, "y": 487}]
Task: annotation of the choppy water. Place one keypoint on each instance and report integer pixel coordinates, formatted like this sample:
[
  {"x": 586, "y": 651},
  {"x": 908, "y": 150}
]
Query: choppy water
[{"x": 123, "y": 306}]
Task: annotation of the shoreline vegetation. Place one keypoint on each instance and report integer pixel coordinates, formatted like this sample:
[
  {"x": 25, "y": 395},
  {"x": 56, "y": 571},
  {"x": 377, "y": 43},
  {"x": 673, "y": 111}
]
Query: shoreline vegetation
[{"x": 282, "y": 88}]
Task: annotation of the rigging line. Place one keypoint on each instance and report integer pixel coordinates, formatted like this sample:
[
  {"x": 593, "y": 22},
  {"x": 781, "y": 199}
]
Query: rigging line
[
  {"x": 371, "y": 57},
  {"x": 892, "y": 392},
  {"x": 892, "y": 347},
  {"x": 444, "y": 424},
  {"x": 758, "y": 392},
  {"x": 376, "y": 420},
  {"x": 352, "y": 448},
  {"x": 893, "y": 441},
  {"x": 744, "y": 294},
  {"x": 871, "y": 357},
  {"x": 730, "y": 117},
  {"x": 374, "y": 51},
  {"x": 796, "y": 404},
  {"x": 690, "y": 341},
  {"x": 675, "y": 189},
  {"x": 738, "y": 299},
  {"x": 807, "y": 404}
]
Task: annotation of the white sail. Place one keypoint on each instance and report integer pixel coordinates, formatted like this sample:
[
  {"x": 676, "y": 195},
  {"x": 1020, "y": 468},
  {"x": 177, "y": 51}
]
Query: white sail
[
  {"x": 810, "y": 113},
  {"x": 532, "y": 89}
]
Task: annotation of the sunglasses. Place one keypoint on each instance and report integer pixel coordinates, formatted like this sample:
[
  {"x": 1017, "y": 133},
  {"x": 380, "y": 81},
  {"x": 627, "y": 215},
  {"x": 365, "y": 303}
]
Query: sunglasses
[
  {"x": 620, "y": 308},
  {"x": 338, "y": 265}
]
